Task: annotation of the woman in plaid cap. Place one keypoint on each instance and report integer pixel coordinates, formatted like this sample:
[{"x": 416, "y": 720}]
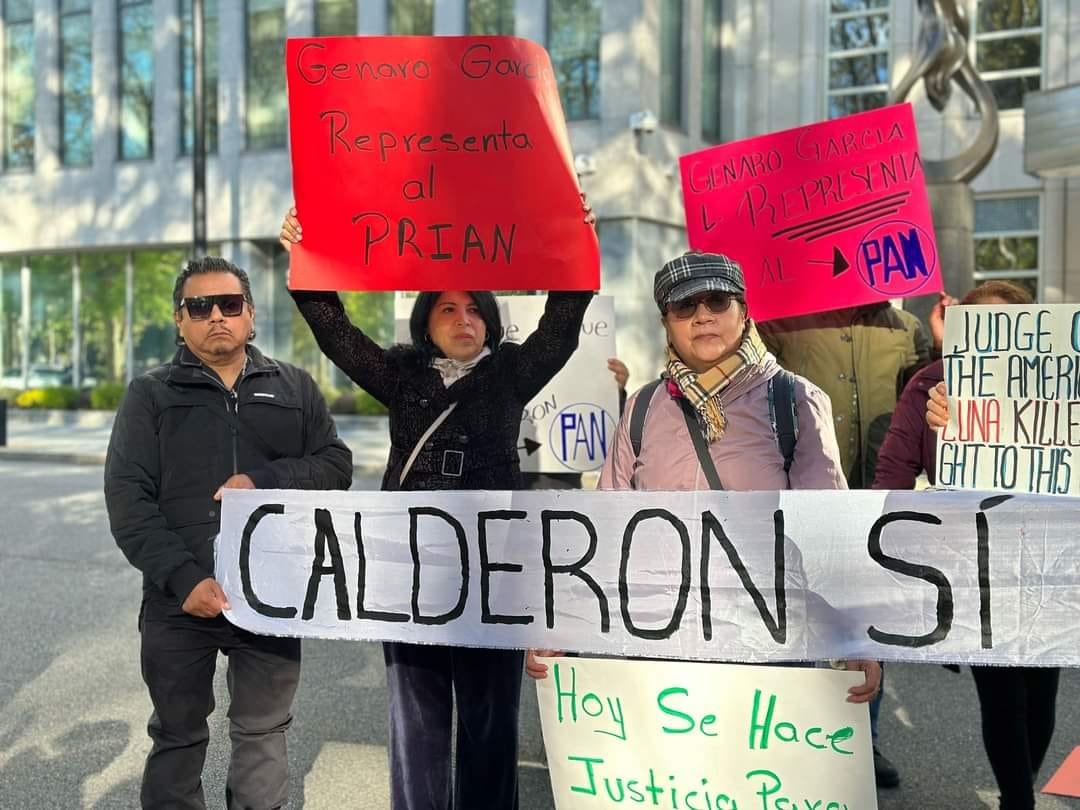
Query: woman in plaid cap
[{"x": 722, "y": 384}]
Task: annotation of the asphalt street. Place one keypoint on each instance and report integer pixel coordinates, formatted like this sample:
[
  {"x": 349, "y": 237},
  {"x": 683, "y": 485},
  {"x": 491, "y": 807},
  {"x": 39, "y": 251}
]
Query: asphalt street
[{"x": 73, "y": 707}]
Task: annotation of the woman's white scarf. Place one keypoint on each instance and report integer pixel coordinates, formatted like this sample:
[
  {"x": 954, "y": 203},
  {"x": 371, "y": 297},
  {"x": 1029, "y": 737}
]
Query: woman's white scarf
[{"x": 453, "y": 370}]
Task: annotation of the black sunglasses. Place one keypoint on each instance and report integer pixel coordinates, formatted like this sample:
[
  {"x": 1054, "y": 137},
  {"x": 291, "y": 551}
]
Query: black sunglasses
[
  {"x": 199, "y": 307},
  {"x": 715, "y": 302}
]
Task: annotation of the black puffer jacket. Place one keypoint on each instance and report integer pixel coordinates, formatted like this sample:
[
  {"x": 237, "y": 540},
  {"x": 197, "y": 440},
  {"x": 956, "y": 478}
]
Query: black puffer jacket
[
  {"x": 476, "y": 447},
  {"x": 179, "y": 435}
]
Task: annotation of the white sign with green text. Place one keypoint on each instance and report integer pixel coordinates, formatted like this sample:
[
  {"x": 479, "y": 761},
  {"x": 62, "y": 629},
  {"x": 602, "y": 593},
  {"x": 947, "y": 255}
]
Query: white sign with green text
[{"x": 692, "y": 736}]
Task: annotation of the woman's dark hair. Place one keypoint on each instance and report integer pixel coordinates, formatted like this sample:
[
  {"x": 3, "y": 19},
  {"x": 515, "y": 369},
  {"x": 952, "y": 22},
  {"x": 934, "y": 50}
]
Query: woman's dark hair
[{"x": 421, "y": 312}]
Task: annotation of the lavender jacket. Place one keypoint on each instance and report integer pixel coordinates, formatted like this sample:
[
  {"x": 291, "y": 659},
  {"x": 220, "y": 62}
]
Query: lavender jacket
[{"x": 747, "y": 456}]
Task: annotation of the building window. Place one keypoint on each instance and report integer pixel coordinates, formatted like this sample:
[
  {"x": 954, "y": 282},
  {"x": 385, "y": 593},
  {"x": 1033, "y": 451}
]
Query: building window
[
  {"x": 267, "y": 102},
  {"x": 490, "y": 17},
  {"x": 335, "y": 18},
  {"x": 1007, "y": 241},
  {"x": 102, "y": 317},
  {"x": 710, "y": 70},
  {"x": 18, "y": 84},
  {"x": 76, "y": 84},
  {"x": 136, "y": 19},
  {"x": 416, "y": 17},
  {"x": 671, "y": 62},
  {"x": 153, "y": 331},
  {"x": 11, "y": 323},
  {"x": 187, "y": 75},
  {"x": 574, "y": 44},
  {"x": 1008, "y": 48},
  {"x": 85, "y": 320},
  {"x": 858, "y": 62},
  {"x": 51, "y": 326}
]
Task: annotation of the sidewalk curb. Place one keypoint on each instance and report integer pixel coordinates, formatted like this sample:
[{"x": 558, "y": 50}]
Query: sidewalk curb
[
  {"x": 94, "y": 459},
  {"x": 98, "y": 459}
]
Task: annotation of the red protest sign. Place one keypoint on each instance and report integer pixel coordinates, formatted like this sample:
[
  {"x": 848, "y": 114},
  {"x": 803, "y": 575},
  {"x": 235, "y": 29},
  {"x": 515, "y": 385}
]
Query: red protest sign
[
  {"x": 428, "y": 163},
  {"x": 820, "y": 217}
]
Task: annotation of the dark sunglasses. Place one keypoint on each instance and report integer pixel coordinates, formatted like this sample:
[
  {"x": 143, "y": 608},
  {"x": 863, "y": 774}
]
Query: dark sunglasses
[
  {"x": 716, "y": 302},
  {"x": 199, "y": 307}
]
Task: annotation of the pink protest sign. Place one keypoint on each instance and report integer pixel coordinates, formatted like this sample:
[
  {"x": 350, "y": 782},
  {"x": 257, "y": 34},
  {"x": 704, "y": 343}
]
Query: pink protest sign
[{"x": 820, "y": 217}]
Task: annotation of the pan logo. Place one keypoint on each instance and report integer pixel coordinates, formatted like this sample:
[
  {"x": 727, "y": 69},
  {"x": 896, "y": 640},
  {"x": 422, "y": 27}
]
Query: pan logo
[
  {"x": 897, "y": 258},
  {"x": 581, "y": 435}
]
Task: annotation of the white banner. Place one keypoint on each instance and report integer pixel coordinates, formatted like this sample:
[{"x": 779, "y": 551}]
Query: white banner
[
  {"x": 1013, "y": 374},
  {"x": 755, "y": 576},
  {"x": 569, "y": 425},
  {"x": 696, "y": 736}
]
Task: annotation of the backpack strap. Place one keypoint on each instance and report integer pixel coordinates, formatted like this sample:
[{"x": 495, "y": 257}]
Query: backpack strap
[
  {"x": 638, "y": 414},
  {"x": 783, "y": 415}
]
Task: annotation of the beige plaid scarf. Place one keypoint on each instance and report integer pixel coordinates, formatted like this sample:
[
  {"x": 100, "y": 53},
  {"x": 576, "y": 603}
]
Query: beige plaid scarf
[{"x": 703, "y": 390}]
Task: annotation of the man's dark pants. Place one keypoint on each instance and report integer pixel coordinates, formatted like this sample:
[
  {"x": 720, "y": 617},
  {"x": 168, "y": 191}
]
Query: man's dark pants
[{"x": 179, "y": 654}]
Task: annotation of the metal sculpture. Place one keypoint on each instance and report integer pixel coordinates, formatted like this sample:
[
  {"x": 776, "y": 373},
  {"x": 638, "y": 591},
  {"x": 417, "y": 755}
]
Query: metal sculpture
[{"x": 941, "y": 58}]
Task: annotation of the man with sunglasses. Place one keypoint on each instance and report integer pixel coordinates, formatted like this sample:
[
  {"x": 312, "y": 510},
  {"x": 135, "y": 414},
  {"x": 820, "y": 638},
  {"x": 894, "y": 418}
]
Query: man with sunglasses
[{"x": 220, "y": 415}]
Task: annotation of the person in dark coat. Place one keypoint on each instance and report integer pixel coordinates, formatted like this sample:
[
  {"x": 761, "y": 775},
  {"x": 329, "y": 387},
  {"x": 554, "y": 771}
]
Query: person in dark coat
[
  {"x": 457, "y": 377},
  {"x": 220, "y": 415},
  {"x": 1018, "y": 704}
]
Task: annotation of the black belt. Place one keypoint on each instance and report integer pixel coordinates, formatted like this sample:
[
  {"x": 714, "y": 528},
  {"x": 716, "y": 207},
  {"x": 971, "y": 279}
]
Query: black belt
[{"x": 454, "y": 463}]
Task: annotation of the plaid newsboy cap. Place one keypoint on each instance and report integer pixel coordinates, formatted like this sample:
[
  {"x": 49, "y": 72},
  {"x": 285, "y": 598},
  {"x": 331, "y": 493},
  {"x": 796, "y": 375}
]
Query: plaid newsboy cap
[{"x": 694, "y": 273}]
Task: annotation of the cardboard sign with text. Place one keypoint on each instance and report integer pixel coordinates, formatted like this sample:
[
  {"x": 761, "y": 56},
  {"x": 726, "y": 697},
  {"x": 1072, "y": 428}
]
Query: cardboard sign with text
[
  {"x": 1013, "y": 376},
  {"x": 570, "y": 425},
  {"x": 429, "y": 163},
  {"x": 820, "y": 217},
  {"x": 677, "y": 734}
]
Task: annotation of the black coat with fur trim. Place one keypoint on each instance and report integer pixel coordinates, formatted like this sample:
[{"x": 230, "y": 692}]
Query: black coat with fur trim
[{"x": 476, "y": 447}]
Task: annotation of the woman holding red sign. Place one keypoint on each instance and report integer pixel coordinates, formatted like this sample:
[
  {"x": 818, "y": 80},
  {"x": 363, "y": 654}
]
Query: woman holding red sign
[{"x": 455, "y": 398}]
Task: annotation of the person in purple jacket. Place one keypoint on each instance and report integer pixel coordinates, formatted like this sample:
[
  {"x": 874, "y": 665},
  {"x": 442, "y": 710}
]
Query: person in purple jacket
[
  {"x": 1018, "y": 704},
  {"x": 719, "y": 370}
]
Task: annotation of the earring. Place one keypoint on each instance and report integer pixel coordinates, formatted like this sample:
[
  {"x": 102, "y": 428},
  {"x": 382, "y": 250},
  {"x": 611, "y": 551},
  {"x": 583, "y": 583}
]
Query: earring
[{"x": 252, "y": 335}]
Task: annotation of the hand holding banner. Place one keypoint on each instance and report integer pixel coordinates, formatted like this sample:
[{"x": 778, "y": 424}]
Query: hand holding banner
[
  {"x": 820, "y": 217},
  {"x": 684, "y": 735},
  {"x": 427, "y": 163}
]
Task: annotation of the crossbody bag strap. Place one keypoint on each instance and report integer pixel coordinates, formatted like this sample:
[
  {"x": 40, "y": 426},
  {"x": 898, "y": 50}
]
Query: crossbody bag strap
[
  {"x": 701, "y": 444},
  {"x": 423, "y": 440}
]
